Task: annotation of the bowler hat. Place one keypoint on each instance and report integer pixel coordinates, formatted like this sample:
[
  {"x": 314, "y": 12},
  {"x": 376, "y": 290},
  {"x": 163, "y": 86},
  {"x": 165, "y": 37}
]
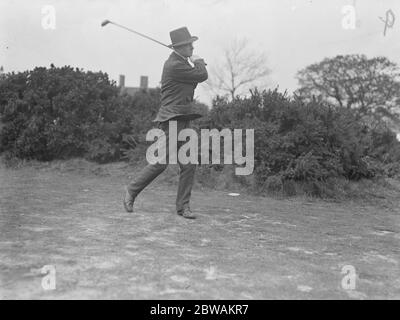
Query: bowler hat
[{"x": 180, "y": 37}]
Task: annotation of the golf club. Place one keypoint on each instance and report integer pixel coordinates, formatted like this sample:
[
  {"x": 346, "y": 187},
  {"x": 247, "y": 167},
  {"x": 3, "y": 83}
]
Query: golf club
[{"x": 106, "y": 22}]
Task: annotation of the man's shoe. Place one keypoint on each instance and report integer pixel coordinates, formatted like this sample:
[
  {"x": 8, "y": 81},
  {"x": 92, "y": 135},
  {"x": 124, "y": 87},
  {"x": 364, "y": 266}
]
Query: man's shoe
[
  {"x": 187, "y": 213},
  {"x": 128, "y": 201}
]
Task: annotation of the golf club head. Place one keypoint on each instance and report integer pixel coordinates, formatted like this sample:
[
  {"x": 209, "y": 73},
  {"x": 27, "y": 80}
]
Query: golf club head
[{"x": 105, "y": 22}]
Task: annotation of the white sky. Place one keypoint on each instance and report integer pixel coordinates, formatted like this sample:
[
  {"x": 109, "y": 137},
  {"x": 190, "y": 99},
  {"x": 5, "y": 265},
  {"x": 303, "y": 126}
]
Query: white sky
[{"x": 293, "y": 33}]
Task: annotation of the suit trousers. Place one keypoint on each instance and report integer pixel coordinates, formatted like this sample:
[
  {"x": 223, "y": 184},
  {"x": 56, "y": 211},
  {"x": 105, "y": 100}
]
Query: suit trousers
[{"x": 152, "y": 171}]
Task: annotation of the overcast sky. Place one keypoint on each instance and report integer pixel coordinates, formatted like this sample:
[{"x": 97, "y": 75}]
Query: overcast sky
[{"x": 293, "y": 33}]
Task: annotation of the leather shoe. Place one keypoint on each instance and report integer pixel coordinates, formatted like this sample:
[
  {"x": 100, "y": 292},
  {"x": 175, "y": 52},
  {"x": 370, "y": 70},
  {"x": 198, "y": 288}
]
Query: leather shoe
[
  {"x": 187, "y": 213},
  {"x": 128, "y": 201}
]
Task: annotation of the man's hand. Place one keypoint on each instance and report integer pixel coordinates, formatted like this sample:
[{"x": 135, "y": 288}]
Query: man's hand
[{"x": 194, "y": 58}]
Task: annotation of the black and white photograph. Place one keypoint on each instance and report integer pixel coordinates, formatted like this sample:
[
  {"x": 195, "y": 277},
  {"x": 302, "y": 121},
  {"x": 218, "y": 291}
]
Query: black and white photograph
[{"x": 215, "y": 151}]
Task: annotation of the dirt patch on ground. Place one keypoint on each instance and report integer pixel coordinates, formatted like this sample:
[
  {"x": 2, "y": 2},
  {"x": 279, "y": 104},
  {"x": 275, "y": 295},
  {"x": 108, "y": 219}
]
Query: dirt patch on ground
[{"x": 240, "y": 247}]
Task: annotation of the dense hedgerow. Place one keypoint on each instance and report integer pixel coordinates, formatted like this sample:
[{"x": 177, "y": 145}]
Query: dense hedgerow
[
  {"x": 60, "y": 113},
  {"x": 63, "y": 112},
  {"x": 307, "y": 142}
]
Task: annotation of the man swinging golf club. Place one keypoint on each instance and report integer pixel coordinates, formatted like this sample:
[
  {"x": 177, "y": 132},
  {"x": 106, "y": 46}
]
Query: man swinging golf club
[{"x": 178, "y": 82}]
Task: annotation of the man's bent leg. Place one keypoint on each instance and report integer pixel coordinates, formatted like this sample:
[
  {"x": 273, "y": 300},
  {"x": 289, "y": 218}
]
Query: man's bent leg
[{"x": 147, "y": 175}]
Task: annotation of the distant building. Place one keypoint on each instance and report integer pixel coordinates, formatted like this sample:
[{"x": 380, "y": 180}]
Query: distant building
[
  {"x": 396, "y": 129},
  {"x": 144, "y": 85}
]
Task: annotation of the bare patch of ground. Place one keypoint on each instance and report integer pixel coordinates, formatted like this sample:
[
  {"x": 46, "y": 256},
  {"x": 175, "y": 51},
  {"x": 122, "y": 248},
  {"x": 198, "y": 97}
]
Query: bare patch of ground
[{"x": 240, "y": 247}]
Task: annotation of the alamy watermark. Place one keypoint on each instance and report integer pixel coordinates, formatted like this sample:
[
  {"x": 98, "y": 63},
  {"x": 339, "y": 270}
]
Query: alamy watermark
[
  {"x": 388, "y": 20},
  {"x": 349, "y": 19},
  {"x": 349, "y": 280},
  {"x": 49, "y": 17},
  {"x": 189, "y": 152},
  {"x": 49, "y": 280}
]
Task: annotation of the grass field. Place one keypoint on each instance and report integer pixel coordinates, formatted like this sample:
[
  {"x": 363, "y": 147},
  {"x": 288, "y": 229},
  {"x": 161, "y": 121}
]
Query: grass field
[{"x": 242, "y": 247}]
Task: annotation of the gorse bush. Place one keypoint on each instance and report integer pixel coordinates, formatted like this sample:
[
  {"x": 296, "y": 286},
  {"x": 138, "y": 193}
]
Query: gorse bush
[
  {"x": 310, "y": 142},
  {"x": 64, "y": 112},
  {"x": 60, "y": 113}
]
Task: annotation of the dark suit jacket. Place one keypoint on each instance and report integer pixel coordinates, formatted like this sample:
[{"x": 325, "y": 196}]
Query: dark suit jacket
[{"x": 178, "y": 82}]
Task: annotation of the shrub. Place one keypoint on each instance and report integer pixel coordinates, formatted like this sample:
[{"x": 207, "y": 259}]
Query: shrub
[
  {"x": 63, "y": 112},
  {"x": 307, "y": 142}
]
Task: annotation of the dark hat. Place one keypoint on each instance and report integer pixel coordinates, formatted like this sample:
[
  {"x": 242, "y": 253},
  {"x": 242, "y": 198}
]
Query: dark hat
[{"x": 180, "y": 37}]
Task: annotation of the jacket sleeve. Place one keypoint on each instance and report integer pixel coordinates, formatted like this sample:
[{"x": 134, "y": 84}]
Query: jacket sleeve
[{"x": 183, "y": 72}]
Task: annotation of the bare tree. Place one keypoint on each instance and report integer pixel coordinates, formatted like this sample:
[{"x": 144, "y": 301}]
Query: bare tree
[{"x": 239, "y": 69}]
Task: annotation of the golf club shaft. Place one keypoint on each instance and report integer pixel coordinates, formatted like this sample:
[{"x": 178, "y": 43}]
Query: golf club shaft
[
  {"x": 140, "y": 34},
  {"x": 147, "y": 37}
]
